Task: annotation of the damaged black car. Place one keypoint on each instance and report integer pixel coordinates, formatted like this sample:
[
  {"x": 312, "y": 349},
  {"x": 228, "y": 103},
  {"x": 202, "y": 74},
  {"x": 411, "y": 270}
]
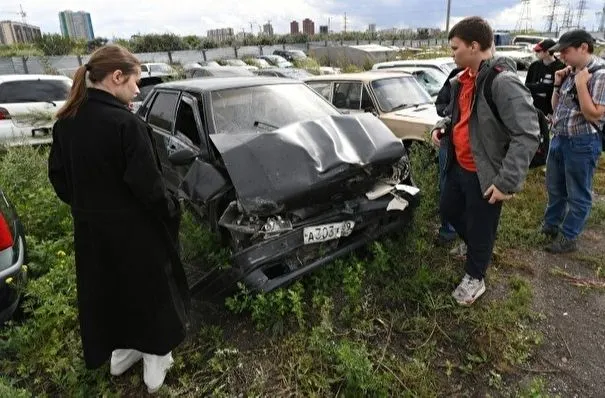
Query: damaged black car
[{"x": 288, "y": 181}]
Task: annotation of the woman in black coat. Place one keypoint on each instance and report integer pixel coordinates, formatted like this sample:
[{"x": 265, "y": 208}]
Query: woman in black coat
[{"x": 132, "y": 292}]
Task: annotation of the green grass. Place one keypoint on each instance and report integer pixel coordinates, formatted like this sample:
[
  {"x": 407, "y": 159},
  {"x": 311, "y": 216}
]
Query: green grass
[{"x": 378, "y": 323}]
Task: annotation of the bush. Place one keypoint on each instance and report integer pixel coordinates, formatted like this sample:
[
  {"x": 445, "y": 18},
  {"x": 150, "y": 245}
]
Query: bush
[{"x": 309, "y": 64}]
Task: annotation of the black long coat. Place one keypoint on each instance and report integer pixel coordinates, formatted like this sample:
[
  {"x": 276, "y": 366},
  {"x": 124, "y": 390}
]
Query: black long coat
[{"x": 132, "y": 291}]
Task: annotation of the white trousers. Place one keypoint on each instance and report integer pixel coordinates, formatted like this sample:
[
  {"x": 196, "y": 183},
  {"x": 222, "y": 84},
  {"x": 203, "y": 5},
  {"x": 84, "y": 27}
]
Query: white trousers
[{"x": 155, "y": 367}]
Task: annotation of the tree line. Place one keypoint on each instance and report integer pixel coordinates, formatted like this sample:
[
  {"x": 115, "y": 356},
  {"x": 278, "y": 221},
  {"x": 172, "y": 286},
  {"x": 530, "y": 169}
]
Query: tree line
[{"x": 52, "y": 44}]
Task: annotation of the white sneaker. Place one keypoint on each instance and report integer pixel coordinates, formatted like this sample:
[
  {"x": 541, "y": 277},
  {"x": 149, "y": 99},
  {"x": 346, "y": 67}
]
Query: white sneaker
[
  {"x": 155, "y": 368},
  {"x": 469, "y": 290},
  {"x": 122, "y": 360}
]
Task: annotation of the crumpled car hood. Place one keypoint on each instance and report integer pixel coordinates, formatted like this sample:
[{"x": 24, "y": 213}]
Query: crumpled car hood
[{"x": 269, "y": 169}]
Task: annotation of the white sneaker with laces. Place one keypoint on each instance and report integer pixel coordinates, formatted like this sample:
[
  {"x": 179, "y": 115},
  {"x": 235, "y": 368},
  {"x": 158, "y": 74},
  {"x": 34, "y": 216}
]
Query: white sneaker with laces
[
  {"x": 155, "y": 368},
  {"x": 122, "y": 360},
  {"x": 469, "y": 290}
]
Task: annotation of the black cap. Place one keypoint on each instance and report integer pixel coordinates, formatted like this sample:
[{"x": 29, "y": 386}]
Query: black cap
[
  {"x": 544, "y": 45},
  {"x": 572, "y": 38}
]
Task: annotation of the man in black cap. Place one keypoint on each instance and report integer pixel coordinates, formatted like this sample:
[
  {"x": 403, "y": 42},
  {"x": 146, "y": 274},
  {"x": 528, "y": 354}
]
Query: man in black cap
[
  {"x": 541, "y": 75},
  {"x": 579, "y": 115}
]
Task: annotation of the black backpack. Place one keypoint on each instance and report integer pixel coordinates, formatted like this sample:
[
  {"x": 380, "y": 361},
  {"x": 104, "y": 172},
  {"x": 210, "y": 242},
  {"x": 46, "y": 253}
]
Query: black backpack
[
  {"x": 574, "y": 93},
  {"x": 539, "y": 158}
]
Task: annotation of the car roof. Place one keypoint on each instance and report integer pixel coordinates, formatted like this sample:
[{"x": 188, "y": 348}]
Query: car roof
[
  {"x": 223, "y": 83},
  {"x": 363, "y": 76},
  {"x": 434, "y": 61},
  {"x": 12, "y": 78},
  {"x": 404, "y": 69}
]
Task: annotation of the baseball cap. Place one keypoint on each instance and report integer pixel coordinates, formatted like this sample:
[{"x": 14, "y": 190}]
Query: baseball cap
[
  {"x": 544, "y": 45},
  {"x": 572, "y": 38}
]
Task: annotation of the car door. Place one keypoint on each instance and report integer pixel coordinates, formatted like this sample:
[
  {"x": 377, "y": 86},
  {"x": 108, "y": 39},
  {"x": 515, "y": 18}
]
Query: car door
[
  {"x": 161, "y": 117},
  {"x": 188, "y": 133},
  {"x": 347, "y": 96}
]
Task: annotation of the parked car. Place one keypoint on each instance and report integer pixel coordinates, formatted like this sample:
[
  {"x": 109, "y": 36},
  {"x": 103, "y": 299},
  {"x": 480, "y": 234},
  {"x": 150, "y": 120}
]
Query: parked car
[
  {"x": 526, "y": 39},
  {"x": 221, "y": 71},
  {"x": 519, "y": 53},
  {"x": 240, "y": 64},
  {"x": 27, "y": 106},
  {"x": 261, "y": 63},
  {"x": 146, "y": 83},
  {"x": 446, "y": 65},
  {"x": 12, "y": 258},
  {"x": 398, "y": 100},
  {"x": 277, "y": 60},
  {"x": 290, "y": 55},
  {"x": 290, "y": 73},
  {"x": 430, "y": 79},
  {"x": 156, "y": 69},
  {"x": 209, "y": 63},
  {"x": 329, "y": 70},
  {"x": 287, "y": 180}
]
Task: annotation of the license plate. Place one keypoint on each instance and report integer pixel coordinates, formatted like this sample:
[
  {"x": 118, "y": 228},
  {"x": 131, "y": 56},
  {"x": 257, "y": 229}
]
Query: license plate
[{"x": 326, "y": 232}]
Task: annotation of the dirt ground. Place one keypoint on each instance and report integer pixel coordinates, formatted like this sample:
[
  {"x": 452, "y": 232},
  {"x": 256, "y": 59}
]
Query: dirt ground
[{"x": 571, "y": 358}]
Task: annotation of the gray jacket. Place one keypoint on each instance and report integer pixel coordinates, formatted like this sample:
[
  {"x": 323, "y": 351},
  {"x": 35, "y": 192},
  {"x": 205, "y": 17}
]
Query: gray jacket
[{"x": 502, "y": 150}]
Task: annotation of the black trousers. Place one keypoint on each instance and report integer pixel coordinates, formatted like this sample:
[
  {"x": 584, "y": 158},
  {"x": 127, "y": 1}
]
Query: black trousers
[{"x": 474, "y": 219}]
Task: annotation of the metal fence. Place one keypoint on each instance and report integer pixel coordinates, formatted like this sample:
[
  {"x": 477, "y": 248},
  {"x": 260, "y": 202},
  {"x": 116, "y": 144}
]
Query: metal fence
[{"x": 69, "y": 63}]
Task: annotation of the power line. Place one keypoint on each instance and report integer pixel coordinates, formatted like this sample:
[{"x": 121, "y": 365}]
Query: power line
[
  {"x": 580, "y": 14},
  {"x": 524, "y": 23},
  {"x": 602, "y": 24},
  {"x": 551, "y": 18},
  {"x": 568, "y": 16}
]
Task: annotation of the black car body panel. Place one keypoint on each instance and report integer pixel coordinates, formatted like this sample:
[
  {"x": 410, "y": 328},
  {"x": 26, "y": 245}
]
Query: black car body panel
[{"x": 274, "y": 170}]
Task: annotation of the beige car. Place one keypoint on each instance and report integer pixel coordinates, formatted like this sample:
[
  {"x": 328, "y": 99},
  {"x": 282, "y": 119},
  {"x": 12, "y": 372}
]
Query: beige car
[{"x": 397, "y": 99}]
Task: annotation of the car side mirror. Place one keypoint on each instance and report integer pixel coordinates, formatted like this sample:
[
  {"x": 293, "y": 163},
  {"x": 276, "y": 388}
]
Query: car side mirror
[{"x": 183, "y": 157}]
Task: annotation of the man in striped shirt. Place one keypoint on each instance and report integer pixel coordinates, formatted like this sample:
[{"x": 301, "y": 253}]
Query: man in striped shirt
[{"x": 579, "y": 114}]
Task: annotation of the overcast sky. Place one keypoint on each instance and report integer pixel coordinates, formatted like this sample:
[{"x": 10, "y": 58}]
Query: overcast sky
[{"x": 118, "y": 18}]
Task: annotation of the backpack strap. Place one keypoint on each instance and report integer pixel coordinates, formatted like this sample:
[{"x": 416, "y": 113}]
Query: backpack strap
[
  {"x": 487, "y": 90},
  {"x": 574, "y": 95}
]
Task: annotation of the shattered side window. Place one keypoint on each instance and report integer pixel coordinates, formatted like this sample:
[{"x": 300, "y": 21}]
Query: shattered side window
[{"x": 266, "y": 108}]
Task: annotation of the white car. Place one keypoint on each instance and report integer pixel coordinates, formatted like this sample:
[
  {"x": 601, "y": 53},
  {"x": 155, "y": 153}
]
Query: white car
[
  {"x": 519, "y": 53},
  {"x": 156, "y": 69},
  {"x": 239, "y": 63},
  {"x": 446, "y": 65},
  {"x": 430, "y": 79},
  {"x": 28, "y": 104}
]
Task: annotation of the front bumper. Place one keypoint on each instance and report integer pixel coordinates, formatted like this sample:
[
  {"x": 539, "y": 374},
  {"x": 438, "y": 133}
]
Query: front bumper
[
  {"x": 9, "y": 295},
  {"x": 268, "y": 265}
]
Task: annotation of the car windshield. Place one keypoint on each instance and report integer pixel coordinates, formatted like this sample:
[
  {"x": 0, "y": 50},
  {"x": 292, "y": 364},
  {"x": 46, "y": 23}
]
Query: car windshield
[
  {"x": 399, "y": 92},
  {"x": 236, "y": 62},
  {"x": 431, "y": 79},
  {"x": 266, "y": 108},
  {"x": 211, "y": 63}
]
